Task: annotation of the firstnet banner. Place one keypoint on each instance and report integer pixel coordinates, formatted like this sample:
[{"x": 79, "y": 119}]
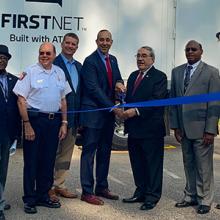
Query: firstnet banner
[{"x": 25, "y": 24}]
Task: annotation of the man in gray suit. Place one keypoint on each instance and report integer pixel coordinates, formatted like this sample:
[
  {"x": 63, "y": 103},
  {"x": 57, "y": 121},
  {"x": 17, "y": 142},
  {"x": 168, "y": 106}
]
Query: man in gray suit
[{"x": 195, "y": 126}]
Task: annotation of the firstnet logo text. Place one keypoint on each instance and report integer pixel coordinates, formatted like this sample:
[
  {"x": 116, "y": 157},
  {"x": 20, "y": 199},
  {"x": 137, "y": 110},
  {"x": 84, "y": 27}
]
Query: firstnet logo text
[{"x": 45, "y": 22}]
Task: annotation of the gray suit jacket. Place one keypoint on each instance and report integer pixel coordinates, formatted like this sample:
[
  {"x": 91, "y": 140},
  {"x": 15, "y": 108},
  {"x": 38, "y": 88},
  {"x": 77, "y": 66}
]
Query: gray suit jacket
[{"x": 195, "y": 119}]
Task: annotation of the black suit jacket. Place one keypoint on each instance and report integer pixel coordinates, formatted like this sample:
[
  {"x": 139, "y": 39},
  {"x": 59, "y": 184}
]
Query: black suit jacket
[
  {"x": 150, "y": 122},
  {"x": 73, "y": 98},
  {"x": 10, "y": 122},
  {"x": 96, "y": 92}
]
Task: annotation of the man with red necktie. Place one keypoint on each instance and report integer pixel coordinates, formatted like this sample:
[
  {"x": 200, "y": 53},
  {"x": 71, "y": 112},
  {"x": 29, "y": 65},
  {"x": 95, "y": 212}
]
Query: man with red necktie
[
  {"x": 146, "y": 129},
  {"x": 100, "y": 78}
]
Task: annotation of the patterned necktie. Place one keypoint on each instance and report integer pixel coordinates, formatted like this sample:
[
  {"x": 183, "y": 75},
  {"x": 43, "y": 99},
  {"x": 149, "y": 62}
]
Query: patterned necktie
[
  {"x": 4, "y": 87},
  {"x": 187, "y": 77},
  {"x": 137, "y": 82},
  {"x": 109, "y": 70}
]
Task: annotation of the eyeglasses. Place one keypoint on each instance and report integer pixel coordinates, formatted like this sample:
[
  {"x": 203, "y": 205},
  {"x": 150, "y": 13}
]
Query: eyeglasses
[
  {"x": 193, "y": 49},
  {"x": 41, "y": 53},
  {"x": 3, "y": 58},
  {"x": 142, "y": 55}
]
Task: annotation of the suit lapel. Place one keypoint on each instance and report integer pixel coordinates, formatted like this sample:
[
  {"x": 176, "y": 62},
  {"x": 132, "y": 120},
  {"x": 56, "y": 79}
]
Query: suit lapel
[
  {"x": 180, "y": 79},
  {"x": 147, "y": 76},
  {"x": 79, "y": 79},
  {"x": 10, "y": 84},
  {"x": 195, "y": 76},
  {"x": 113, "y": 66},
  {"x": 102, "y": 66}
]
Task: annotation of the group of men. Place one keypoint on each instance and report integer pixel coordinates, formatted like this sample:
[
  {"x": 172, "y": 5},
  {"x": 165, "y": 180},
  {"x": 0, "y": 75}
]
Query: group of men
[{"x": 48, "y": 93}]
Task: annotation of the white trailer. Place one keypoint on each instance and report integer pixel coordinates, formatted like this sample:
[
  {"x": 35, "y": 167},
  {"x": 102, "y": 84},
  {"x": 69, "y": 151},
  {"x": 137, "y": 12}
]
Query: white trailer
[
  {"x": 165, "y": 25},
  {"x": 25, "y": 24}
]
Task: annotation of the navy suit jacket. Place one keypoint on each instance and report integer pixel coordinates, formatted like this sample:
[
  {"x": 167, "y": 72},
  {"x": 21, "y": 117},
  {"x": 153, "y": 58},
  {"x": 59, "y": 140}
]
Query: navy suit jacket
[
  {"x": 150, "y": 123},
  {"x": 73, "y": 98},
  {"x": 10, "y": 121},
  {"x": 96, "y": 92}
]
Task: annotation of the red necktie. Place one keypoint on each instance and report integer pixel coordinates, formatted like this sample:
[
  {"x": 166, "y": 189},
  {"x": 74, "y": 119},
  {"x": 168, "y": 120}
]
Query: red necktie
[
  {"x": 109, "y": 70},
  {"x": 137, "y": 82}
]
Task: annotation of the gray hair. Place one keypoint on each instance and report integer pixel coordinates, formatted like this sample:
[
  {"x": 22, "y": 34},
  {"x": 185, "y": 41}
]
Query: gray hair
[{"x": 150, "y": 49}]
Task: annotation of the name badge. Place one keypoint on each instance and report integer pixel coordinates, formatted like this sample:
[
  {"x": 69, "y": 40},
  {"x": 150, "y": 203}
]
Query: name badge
[{"x": 40, "y": 80}]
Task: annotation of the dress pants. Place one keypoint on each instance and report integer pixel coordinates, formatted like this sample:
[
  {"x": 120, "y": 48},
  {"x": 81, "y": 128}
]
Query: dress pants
[
  {"x": 63, "y": 158},
  {"x": 198, "y": 165},
  {"x": 96, "y": 142},
  {"x": 4, "y": 158},
  {"x": 146, "y": 157},
  {"x": 39, "y": 159}
]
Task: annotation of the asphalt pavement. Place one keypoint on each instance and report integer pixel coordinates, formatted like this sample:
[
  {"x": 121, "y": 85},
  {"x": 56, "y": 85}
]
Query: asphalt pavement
[{"x": 121, "y": 182}]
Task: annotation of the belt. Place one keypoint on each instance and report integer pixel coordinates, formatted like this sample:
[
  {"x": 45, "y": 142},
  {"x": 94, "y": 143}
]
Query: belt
[{"x": 49, "y": 115}]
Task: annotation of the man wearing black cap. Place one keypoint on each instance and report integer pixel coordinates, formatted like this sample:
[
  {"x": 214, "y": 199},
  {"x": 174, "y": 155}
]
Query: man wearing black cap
[{"x": 9, "y": 120}]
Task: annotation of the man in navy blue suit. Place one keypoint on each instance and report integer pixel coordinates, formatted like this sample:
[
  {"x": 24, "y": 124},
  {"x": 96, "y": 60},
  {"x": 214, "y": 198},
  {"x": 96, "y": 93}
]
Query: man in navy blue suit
[
  {"x": 146, "y": 129},
  {"x": 10, "y": 123},
  {"x": 100, "y": 79}
]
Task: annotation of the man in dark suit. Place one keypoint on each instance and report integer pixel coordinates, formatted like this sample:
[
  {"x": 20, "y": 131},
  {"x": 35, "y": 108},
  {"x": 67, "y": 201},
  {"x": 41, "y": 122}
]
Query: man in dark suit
[
  {"x": 146, "y": 129},
  {"x": 10, "y": 123},
  {"x": 100, "y": 77},
  {"x": 195, "y": 126},
  {"x": 71, "y": 68}
]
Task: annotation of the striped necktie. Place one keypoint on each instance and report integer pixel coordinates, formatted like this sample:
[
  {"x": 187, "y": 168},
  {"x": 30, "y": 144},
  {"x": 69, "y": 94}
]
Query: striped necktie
[
  {"x": 137, "y": 81},
  {"x": 187, "y": 77},
  {"x": 4, "y": 87}
]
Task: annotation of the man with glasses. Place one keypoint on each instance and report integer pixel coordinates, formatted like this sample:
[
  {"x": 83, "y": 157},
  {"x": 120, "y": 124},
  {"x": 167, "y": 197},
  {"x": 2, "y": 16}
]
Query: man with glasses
[
  {"x": 146, "y": 129},
  {"x": 195, "y": 126},
  {"x": 10, "y": 124},
  {"x": 42, "y": 105}
]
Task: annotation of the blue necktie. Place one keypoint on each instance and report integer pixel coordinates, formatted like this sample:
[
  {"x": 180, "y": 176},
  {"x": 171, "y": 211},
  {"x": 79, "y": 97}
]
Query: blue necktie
[{"x": 4, "y": 87}]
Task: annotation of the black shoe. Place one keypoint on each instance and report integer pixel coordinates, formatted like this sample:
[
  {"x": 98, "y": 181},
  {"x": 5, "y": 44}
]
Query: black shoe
[
  {"x": 217, "y": 206},
  {"x": 49, "y": 204},
  {"x": 133, "y": 199},
  {"x": 7, "y": 206},
  {"x": 203, "y": 209},
  {"x": 148, "y": 206},
  {"x": 2, "y": 216},
  {"x": 30, "y": 209},
  {"x": 185, "y": 204}
]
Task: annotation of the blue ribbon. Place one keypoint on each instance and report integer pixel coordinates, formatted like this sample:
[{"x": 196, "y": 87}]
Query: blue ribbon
[{"x": 160, "y": 102}]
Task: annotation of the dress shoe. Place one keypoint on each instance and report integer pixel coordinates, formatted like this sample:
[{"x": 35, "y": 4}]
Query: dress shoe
[
  {"x": 29, "y": 209},
  {"x": 92, "y": 199},
  {"x": 107, "y": 194},
  {"x": 185, "y": 204},
  {"x": 2, "y": 216},
  {"x": 49, "y": 204},
  {"x": 203, "y": 209},
  {"x": 53, "y": 196},
  {"x": 133, "y": 199},
  {"x": 148, "y": 206},
  {"x": 7, "y": 206},
  {"x": 64, "y": 192},
  {"x": 217, "y": 206}
]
